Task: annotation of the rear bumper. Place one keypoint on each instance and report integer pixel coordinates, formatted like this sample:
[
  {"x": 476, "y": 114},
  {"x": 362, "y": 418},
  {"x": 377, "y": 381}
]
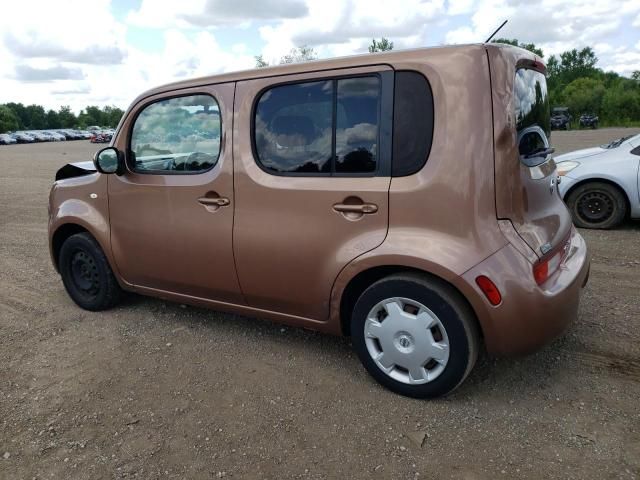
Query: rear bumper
[{"x": 529, "y": 315}]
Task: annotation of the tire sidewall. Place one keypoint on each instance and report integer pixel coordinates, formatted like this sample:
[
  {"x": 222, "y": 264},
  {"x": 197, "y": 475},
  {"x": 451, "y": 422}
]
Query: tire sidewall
[
  {"x": 450, "y": 316},
  {"x": 69, "y": 248}
]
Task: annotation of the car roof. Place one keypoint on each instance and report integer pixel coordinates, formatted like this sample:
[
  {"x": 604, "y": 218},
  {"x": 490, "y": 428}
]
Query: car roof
[{"x": 352, "y": 61}]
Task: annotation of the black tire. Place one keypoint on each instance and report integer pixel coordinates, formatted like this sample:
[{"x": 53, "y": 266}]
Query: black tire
[
  {"x": 597, "y": 205},
  {"x": 86, "y": 273},
  {"x": 452, "y": 311}
]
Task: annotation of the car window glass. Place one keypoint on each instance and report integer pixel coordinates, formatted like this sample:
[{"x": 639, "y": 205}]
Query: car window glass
[
  {"x": 295, "y": 131},
  {"x": 177, "y": 135},
  {"x": 532, "y": 113},
  {"x": 357, "y": 128},
  {"x": 293, "y": 128}
]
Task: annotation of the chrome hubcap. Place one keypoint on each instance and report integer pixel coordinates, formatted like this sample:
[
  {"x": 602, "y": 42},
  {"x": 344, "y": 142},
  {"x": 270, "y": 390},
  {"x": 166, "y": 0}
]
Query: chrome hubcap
[{"x": 406, "y": 340}]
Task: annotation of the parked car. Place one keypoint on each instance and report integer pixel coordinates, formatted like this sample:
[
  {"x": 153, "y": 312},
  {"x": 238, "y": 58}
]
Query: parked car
[
  {"x": 69, "y": 134},
  {"x": 6, "y": 139},
  {"x": 560, "y": 118},
  {"x": 55, "y": 136},
  {"x": 38, "y": 136},
  {"x": 380, "y": 222},
  {"x": 22, "y": 137},
  {"x": 600, "y": 185},
  {"x": 589, "y": 120},
  {"x": 100, "y": 137}
]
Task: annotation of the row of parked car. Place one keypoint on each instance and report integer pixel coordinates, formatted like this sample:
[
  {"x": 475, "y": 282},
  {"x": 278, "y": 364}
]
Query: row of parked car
[
  {"x": 94, "y": 134},
  {"x": 561, "y": 119}
]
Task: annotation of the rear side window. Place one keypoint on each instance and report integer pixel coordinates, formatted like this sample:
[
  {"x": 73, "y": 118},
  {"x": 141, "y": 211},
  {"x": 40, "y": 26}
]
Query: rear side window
[
  {"x": 531, "y": 111},
  {"x": 412, "y": 123},
  {"x": 177, "y": 135},
  {"x": 323, "y": 127}
]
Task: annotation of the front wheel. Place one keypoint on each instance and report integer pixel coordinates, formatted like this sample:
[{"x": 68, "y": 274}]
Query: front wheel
[
  {"x": 86, "y": 273},
  {"x": 597, "y": 205},
  {"x": 415, "y": 335}
]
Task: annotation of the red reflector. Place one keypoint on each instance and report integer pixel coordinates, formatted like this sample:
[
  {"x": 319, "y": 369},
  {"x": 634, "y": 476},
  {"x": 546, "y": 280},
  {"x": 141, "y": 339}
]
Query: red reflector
[
  {"x": 541, "y": 272},
  {"x": 489, "y": 289}
]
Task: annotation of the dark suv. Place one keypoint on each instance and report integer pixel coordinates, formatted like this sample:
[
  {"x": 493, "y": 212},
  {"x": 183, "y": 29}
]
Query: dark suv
[
  {"x": 589, "y": 120},
  {"x": 560, "y": 118}
]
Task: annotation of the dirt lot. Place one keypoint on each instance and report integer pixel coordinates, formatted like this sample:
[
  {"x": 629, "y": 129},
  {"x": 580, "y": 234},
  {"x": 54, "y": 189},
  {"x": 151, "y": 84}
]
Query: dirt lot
[{"x": 157, "y": 390}]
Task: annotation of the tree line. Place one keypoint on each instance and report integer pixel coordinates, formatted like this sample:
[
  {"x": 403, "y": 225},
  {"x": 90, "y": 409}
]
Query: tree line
[
  {"x": 574, "y": 80},
  {"x": 16, "y": 116}
]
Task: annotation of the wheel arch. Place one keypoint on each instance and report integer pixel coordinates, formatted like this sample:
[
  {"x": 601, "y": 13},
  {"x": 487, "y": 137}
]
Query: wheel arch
[
  {"x": 608, "y": 181},
  {"x": 363, "y": 279}
]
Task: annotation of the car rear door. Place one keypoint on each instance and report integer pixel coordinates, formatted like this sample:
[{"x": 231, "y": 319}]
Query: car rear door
[
  {"x": 526, "y": 177},
  {"x": 311, "y": 175}
]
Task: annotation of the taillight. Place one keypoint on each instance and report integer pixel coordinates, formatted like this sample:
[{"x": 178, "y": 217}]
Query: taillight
[
  {"x": 548, "y": 266},
  {"x": 489, "y": 289}
]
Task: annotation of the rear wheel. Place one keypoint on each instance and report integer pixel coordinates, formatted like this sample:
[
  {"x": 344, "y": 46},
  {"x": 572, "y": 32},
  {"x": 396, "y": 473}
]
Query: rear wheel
[
  {"x": 86, "y": 273},
  {"x": 597, "y": 205},
  {"x": 415, "y": 335}
]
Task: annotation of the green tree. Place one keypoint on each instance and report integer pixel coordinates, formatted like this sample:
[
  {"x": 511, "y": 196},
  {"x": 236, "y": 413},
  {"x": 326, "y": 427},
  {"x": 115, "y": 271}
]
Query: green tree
[
  {"x": 299, "y": 54},
  {"x": 621, "y": 104},
  {"x": 584, "y": 95},
  {"x": 52, "y": 120},
  {"x": 8, "y": 119},
  {"x": 37, "y": 117},
  {"x": 261, "y": 62},
  {"x": 111, "y": 116},
  {"x": 66, "y": 117},
  {"x": 527, "y": 46},
  {"x": 571, "y": 65},
  {"x": 383, "y": 45},
  {"x": 636, "y": 75},
  {"x": 21, "y": 112}
]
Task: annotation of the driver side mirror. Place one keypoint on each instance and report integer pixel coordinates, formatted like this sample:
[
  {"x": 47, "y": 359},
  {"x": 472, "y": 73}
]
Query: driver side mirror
[{"x": 108, "y": 160}]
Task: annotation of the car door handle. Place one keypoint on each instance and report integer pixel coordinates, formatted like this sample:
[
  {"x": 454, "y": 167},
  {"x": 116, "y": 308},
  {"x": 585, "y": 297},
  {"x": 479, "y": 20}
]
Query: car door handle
[
  {"x": 363, "y": 208},
  {"x": 214, "y": 202}
]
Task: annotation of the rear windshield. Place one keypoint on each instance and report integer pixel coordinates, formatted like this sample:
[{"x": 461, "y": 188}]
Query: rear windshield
[{"x": 531, "y": 100}]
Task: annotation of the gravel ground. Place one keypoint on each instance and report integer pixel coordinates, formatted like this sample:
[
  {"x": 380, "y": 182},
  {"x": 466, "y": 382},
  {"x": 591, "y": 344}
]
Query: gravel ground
[{"x": 158, "y": 390}]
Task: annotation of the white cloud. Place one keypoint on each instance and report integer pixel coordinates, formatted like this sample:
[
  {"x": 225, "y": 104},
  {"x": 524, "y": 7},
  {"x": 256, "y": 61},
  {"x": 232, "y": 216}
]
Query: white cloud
[
  {"x": 211, "y": 13},
  {"x": 78, "y": 54},
  {"x": 459, "y": 7}
]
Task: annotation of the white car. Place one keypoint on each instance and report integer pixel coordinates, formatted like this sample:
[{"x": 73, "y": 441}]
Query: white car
[{"x": 601, "y": 185}]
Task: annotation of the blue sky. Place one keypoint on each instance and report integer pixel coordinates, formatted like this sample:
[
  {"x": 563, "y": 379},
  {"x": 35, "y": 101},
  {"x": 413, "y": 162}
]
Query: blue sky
[{"x": 107, "y": 52}]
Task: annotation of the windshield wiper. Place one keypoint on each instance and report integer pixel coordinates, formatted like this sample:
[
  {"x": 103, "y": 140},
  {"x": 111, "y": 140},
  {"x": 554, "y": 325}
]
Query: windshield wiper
[{"x": 540, "y": 152}]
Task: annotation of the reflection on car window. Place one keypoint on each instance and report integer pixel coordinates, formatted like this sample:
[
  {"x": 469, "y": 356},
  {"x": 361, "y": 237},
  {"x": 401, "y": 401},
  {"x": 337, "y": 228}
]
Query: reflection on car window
[
  {"x": 177, "y": 135},
  {"x": 531, "y": 100},
  {"x": 294, "y": 127},
  {"x": 357, "y": 129}
]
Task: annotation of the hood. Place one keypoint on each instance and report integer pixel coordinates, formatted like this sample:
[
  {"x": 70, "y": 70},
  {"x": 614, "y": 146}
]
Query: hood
[
  {"x": 587, "y": 152},
  {"x": 78, "y": 169}
]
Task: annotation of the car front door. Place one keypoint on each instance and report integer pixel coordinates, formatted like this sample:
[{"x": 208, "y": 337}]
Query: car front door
[
  {"x": 312, "y": 172},
  {"x": 171, "y": 212}
]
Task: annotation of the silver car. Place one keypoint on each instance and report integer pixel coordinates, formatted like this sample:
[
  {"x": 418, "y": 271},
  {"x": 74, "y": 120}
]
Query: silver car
[{"x": 601, "y": 185}]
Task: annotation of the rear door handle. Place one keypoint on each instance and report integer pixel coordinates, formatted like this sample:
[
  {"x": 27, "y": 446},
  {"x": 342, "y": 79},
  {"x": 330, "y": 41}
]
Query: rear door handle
[
  {"x": 364, "y": 208},
  {"x": 214, "y": 202}
]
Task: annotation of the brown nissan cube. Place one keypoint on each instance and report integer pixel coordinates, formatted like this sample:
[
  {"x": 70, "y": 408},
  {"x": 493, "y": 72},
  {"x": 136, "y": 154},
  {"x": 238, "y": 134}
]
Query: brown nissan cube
[{"x": 407, "y": 199}]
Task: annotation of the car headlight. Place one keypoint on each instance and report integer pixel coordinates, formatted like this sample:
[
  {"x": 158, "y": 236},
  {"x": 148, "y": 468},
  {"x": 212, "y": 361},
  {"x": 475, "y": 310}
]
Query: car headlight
[{"x": 566, "y": 167}]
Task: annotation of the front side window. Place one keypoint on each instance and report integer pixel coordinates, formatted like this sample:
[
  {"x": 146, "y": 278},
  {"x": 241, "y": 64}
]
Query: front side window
[
  {"x": 320, "y": 127},
  {"x": 532, "y": 116},
  {"x": 177, "y": 135}
]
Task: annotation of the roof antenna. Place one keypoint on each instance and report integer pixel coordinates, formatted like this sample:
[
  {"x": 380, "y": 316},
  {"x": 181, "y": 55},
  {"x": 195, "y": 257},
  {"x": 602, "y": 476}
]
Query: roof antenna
[{"x": 497, "y": 30}]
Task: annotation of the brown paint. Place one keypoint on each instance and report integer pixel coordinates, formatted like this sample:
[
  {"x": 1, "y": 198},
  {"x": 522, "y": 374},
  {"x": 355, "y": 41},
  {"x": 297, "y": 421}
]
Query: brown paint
[{"x": 239, "y": 239}]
